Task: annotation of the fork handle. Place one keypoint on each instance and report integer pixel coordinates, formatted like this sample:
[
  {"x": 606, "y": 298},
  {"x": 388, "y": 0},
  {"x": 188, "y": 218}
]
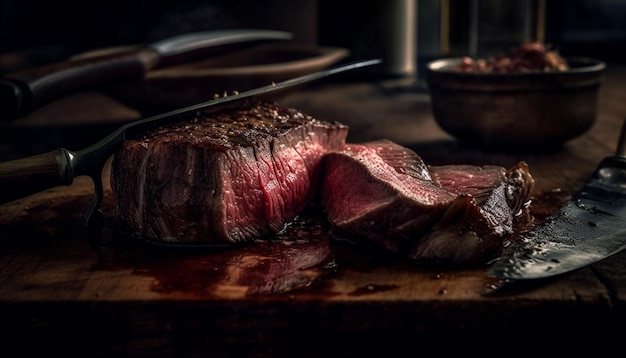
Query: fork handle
[{"x": 30, "y": 175}]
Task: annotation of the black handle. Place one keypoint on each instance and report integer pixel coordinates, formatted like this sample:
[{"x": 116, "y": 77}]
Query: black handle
[
  {"x": 24, "y": 91},
  {"x": 12, "y": 98}
]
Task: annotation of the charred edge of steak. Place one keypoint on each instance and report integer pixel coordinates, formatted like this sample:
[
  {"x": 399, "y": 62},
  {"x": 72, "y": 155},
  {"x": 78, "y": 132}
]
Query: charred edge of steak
[
  {"x": 451, "y": 214},
  {"x": 229, "y": 176},
  {"x": 521, "y": 184}
]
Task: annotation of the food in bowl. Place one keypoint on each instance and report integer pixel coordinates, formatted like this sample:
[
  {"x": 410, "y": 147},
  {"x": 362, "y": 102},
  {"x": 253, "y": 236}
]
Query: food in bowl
[
  {"x": 529, "y": 57},
  {"x": 515, "y": 111}
]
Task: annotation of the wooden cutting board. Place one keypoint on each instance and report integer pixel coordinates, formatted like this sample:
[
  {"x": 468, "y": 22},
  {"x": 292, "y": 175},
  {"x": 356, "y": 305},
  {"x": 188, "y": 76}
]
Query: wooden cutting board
[
  {"x": 101, "y": 293},
  {"x": 84, "y": 293},
  {"x": 50, "y": 226}
]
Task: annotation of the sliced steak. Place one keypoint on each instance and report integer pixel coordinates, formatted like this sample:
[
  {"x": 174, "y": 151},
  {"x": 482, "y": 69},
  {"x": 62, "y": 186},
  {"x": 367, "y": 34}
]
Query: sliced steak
[
  {"x": 383, "y": 192},
  {"x": 479, "y": 181},
  {"x": 226, "y": 177},
  {"x": 492, "y": 203}
]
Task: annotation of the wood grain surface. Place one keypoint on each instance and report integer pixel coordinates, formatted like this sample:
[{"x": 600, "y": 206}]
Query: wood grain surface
[{"x": 67, "y": 290}]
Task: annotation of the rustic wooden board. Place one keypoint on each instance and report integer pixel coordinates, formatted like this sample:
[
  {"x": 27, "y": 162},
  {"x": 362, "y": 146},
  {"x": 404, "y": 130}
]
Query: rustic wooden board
[
  {"x": 102, "y": 298},
  {"x": 54, "y": 276}
]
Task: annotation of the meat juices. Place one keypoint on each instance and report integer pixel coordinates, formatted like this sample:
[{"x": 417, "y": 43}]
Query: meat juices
[
  {"x": 227, "y": 177},
  {"x": 383, "y": 192}
]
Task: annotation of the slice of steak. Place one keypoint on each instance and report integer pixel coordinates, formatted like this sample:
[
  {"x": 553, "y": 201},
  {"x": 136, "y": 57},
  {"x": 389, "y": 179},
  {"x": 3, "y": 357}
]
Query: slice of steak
[
  {"x": 231, "y": 176},
  {"x": 479, "y": 181},
  {"x": 493, "y": 203},
  {"x": 454, "y": 214},
  {"x": 383, "y": 192}
]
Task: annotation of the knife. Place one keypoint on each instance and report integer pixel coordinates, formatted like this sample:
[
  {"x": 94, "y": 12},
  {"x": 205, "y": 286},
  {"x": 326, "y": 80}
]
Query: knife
[
  {"x": 22, "y": 177},
  {"x": 589, "y": 228},
  {"x": 23, "y": 91}
]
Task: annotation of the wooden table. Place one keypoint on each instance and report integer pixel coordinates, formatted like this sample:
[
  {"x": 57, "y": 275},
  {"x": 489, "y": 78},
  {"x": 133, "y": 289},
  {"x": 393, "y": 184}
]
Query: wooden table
[{"x": 59, "y": 294}]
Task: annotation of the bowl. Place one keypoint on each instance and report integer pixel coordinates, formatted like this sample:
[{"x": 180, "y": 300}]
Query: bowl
[
  {"x": 179, "y": 86},
  {"x": 517, "y": 111}
]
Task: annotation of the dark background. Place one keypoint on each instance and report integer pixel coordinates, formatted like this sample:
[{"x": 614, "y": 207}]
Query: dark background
[
  {"x": 102, "y": 23},
  {"x": 54, "y": 28}
]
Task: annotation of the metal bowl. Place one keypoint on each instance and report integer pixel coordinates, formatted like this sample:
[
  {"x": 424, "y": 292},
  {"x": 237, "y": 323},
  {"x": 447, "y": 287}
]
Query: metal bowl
[{"x": 515, "y": 110}]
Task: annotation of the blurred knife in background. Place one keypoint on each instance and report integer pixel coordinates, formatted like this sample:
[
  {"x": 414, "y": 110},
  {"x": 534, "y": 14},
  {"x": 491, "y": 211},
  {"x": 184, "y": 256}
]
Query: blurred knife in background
[{"x": 23, "y": 91}]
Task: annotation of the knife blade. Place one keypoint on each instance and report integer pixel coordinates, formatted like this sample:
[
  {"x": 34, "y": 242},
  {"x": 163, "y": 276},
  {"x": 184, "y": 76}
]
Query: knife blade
[
  {"x": 22, "y": 177},
  {"x": 23, "y": 91},
  {"x": 588, "y": 229}
]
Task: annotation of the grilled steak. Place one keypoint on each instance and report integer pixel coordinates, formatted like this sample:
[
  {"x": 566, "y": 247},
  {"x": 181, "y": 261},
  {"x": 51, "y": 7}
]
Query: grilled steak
[
  {"x": 227, "y": 177},
  {"x": 513, "y": 185},
  {"x": 242, "y": 174},
  {"x": 383, "y": 192},
  {"x": 492, "y": 202}
]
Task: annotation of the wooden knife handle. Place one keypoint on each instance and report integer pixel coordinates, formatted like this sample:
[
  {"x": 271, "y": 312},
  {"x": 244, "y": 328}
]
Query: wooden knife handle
[
  {"x": 30, "y": 175},
  {"x": 21, "y": 92}
]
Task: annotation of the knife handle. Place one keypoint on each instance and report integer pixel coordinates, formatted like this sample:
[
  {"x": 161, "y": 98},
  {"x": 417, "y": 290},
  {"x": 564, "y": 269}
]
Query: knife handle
[
  {"x": 23, "y": 91},
  {"x": 30, "y": 175}
]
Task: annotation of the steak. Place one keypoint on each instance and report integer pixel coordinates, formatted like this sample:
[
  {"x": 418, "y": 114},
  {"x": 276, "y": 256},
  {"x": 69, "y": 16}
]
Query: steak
[
  {"x": 383, "y": 192},
  {"x": 513, "y": 185},
  {"x": 225, "y": 177},
  {"x": 492, "y": 205}
]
